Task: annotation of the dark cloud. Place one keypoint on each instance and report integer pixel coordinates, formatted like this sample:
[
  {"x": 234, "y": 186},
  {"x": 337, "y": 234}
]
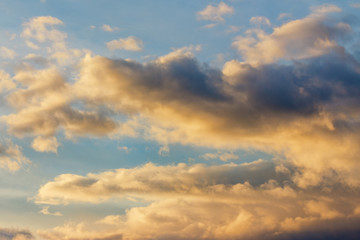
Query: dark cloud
[{"x": 13, "y": 234}]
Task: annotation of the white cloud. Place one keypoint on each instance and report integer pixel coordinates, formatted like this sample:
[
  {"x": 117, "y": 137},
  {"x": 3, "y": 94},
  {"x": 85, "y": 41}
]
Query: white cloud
[
  {"x": 215, "y": 13},
  {"x": 108, "y": 28},
  {"x": 42, "y": 30},
  {"x": 260, "y": 20},
  {"x": 45, "y": 211},
  {"x": 298, "y": 39},
  {"x": 222, "y": 156},
  {"x": 129, "y": 44},
  {"x": 6, "y": 83},
  {"x": 7, "y": 53},
  {"x": 45, "y": 144}
]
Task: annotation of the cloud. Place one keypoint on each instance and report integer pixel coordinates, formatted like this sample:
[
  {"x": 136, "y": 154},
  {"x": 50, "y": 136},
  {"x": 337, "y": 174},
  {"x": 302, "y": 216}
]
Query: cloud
[
  {"x": 355, "y": 5},
  {"x": 45, "y": 144},
  {"x": 108, "y": 28},
  {"x": 129, "y": 44},
  {"x": 15, "y": 234},
  {"x": 149, "y": 181},
  {"x": 284, "y": 15},
  {"x": 206, "y": 202},
  {"x": 260, "y": 20},
  {"x": 211, "y": 25},
  {"x": 215, "y": 13},
  {"x": 222, "y": 156},
  {"x": 11, "y": 157},
  {"x": 44, "y": 105},
  {"x": 42, "y": 30},
  {"x": 7, "y": 53},
  {"x": 164, "y": 150},
  {"x": 232, "y": 29},
  {"x": 309, "y": 37},
  {"x": 45, "y": 211},
  {"x": 124, "y": 148},
  {"x": 6, "y": 83}
]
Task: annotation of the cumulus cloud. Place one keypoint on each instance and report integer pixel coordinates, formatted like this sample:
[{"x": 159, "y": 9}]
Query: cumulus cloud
[
  {"x": 45, "y": 144},
  {"x": 44, "y": 105},
  {"x": 215, "y": 13},
  {"x": 11, "y": 157},
  {"x": 205, "y": 202},
  {"x": 149, "y": 181},
  {"x": 129, "y": 44},
  {"x": 222, "y": 156},
  {"x": 279, "y": 108},
  {"x": 309, "y": 37},
  {"x": 15, "y": 234}
]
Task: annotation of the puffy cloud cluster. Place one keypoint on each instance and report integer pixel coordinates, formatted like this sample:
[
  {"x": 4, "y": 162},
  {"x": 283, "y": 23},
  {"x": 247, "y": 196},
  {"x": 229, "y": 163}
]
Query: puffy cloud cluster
[
  {"x": 295, "y": 95},
  {"x": 253, "y": 200},
  {"x": 129, "y": 44},
  {"x": 307, "y": 109},
  {"x": 215, "y": 13},
  {"x": 312, "y": 36}
]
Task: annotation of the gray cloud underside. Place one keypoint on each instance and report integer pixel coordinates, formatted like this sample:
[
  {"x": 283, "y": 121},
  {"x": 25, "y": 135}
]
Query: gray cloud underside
[{"x": 14, "y": 234}]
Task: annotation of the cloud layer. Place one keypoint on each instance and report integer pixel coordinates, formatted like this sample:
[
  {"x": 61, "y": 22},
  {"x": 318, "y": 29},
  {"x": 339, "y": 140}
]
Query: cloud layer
[{"x": 254, "y": 200}]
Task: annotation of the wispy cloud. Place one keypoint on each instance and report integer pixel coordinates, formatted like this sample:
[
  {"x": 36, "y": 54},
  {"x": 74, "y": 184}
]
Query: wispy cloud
[
  {"x": 7, "y": 53},
  {"x": 45, "y": 211},
  {"x": 108, "y": 28},
  {"x": 260, "y": 20},
  {"x": 11, "y": 156}
]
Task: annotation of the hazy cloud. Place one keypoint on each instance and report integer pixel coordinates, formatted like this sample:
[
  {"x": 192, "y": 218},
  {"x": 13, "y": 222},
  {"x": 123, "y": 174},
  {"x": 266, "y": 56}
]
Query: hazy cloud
[
  {"x": 108, "y": 28},
  {"x": 7, "y": 53},
  {"x": 260, "y": 20}
]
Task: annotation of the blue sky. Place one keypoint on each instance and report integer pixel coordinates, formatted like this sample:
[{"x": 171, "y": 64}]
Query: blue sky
[{"x": 179, "y": 119}]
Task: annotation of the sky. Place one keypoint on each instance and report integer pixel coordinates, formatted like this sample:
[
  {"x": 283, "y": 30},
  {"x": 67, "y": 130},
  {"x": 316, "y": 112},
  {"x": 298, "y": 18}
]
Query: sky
[{"x": 191, "y": 119}]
